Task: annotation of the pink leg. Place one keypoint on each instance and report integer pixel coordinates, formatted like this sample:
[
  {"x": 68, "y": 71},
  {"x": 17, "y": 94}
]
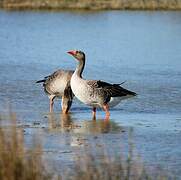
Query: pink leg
[
  {"x": 94, "y": 113},
  {"x": 106, "y": 109},
  {"x": 51, "y": 104},
  {"x": 66, "y": 104}
]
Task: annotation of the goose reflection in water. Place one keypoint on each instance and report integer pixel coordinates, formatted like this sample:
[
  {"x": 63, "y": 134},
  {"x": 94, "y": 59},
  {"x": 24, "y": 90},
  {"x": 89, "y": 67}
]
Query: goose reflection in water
[
  {"x": 62, "y": 122},
  {"x": 66, "y": 123},
  {"x": 74, "y": 132}
]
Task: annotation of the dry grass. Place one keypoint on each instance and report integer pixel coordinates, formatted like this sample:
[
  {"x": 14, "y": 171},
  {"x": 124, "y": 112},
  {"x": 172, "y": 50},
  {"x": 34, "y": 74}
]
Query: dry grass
[
  {"x": 17, "y": 162},
  {"x": 90, "y": 167},
  {"x": 102, "y": 165},
  {"x": 92, "y": 4}
]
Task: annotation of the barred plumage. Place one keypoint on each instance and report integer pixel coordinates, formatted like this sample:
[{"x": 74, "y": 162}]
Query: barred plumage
[{"x": 57, "y": 85}]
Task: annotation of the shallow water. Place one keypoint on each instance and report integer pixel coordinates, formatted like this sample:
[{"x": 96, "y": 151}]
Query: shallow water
[{"x": 142, "y": 48}]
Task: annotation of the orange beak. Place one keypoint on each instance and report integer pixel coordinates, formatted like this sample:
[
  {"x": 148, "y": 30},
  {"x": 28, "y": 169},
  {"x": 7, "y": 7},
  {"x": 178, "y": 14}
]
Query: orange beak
[{"x": 72, "y": 52}]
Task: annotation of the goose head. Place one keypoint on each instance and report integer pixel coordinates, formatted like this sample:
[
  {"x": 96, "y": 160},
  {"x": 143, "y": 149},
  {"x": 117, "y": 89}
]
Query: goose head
[{"x": 79, "y": 55}]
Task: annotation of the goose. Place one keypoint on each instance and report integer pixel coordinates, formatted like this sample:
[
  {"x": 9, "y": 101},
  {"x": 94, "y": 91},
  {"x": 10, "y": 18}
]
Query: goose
[
  {"x": 57, "y": 85},
  {"x": 95, "y": 93}
]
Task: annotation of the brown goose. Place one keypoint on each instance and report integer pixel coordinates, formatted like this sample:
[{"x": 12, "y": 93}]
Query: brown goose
[
  {"x": 95, "y": 93},
  {"x": 57, "y": 85}
]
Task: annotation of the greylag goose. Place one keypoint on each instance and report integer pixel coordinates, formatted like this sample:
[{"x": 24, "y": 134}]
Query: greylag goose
[
  {"x": 57, "y": 85},
  {"x": 95, "y": 93}
]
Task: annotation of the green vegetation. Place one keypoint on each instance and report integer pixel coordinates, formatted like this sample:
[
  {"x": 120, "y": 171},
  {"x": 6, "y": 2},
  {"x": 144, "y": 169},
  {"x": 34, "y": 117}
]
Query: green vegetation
[{"x": 92, "y": 4}]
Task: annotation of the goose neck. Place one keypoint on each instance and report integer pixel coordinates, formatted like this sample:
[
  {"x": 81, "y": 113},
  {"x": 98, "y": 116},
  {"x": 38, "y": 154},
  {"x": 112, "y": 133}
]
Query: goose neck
[{"x": 80, "y": 68}]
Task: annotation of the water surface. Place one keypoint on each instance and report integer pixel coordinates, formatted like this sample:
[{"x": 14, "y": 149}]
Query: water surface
[{"x": 142, "y": 48}]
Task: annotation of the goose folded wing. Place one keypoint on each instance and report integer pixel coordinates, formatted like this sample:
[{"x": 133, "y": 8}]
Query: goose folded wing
[{"x": 112, "y": 90}]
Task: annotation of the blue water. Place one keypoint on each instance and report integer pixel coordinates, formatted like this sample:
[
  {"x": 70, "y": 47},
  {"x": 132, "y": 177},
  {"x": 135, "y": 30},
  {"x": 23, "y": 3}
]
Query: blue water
[{"x": 143, "y": 48}]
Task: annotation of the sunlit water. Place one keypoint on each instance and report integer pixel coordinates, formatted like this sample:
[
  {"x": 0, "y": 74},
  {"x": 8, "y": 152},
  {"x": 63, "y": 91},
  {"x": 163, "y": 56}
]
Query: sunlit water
[{"x": 141, "y": 48}]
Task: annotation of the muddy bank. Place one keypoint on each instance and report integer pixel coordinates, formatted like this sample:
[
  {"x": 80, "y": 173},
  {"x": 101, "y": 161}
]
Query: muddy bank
[{"x": 92, "y": 4}]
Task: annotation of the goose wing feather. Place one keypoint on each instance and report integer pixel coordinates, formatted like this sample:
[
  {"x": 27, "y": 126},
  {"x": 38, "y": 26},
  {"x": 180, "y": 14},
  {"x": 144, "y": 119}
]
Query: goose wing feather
[
  {"x": 52, "y": 77},
  {"x": 112, "y": 90}
]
